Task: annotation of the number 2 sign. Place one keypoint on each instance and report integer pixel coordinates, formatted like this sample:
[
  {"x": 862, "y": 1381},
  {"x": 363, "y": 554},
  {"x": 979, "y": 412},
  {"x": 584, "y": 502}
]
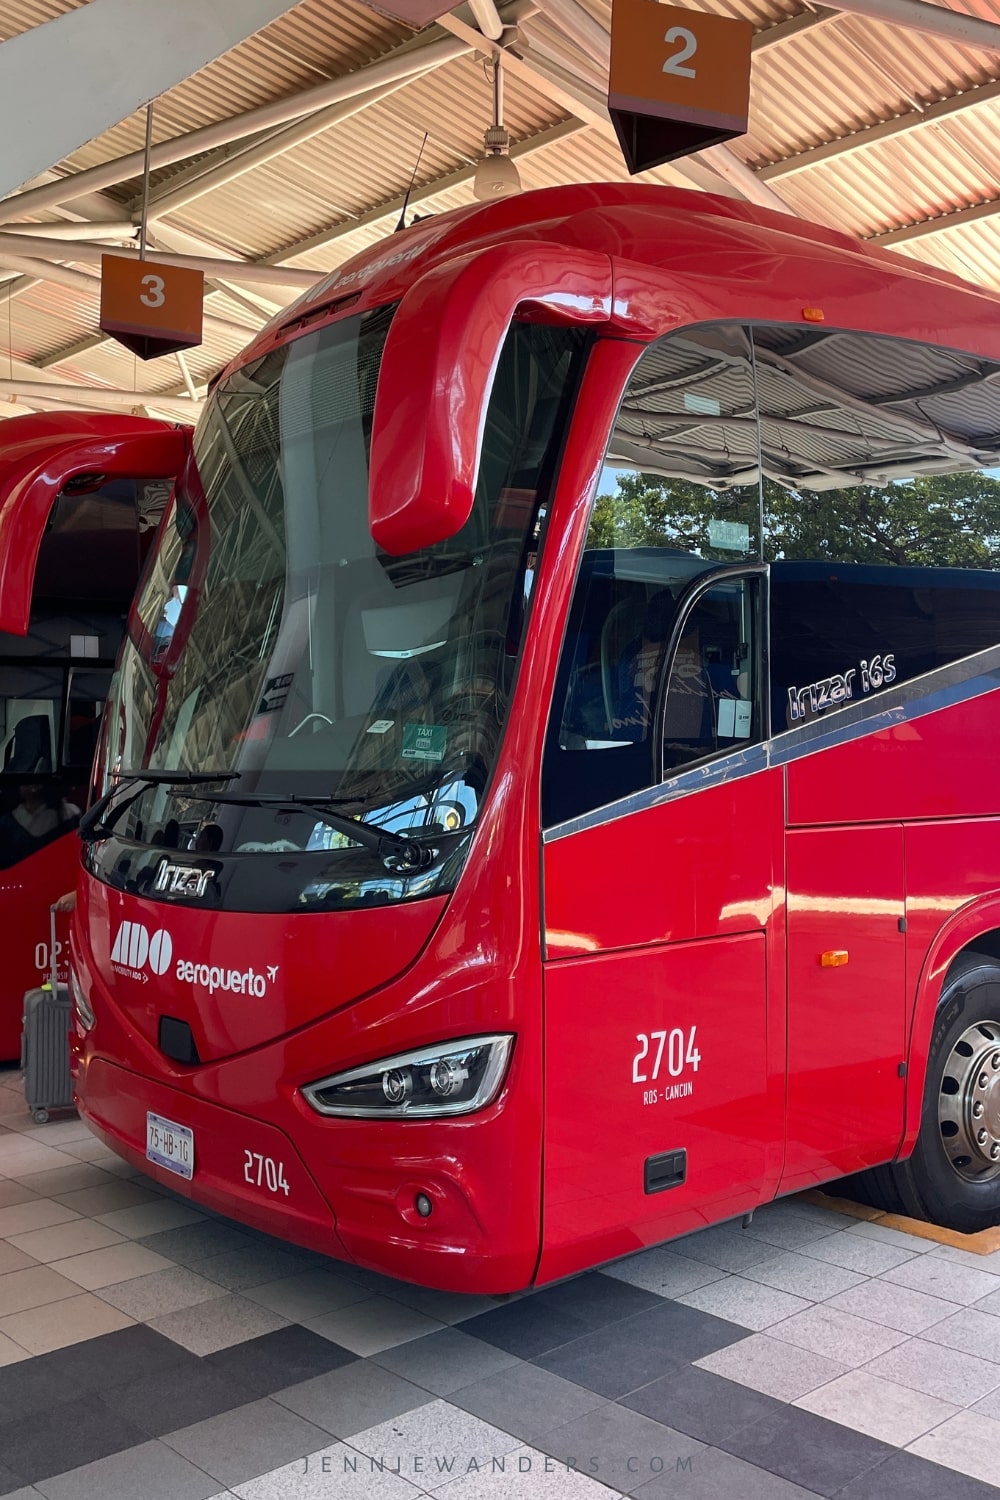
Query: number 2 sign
[
  {"x": 679, "y": 80},
  {"x": 151, "y": 307}
]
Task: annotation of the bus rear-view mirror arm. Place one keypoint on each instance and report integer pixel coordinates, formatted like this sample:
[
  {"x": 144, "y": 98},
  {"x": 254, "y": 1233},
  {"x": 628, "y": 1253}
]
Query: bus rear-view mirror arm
[
  {"x": 437, "y": 373},
  {"x": 40, "y": 456}
]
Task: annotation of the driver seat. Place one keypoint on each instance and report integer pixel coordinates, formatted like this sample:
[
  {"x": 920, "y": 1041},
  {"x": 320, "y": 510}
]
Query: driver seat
[{"x": 621, "y": 629}]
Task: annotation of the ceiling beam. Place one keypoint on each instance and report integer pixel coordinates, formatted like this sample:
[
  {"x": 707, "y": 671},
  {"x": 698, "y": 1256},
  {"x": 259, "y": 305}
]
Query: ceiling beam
[
  {"x": 546, "y": 40},
  {"x": 487, "y": 18},
  {"x": 579, "y": 26},
  {"x": 391, "y": 207},
  {"x": 86, "y": 253},
  {"x": 102, "y": 397},
  {"x": 938, "y": 225},
  {"x": 788, "y": 30},
  {"x": 957, "y": 26},
  {"x": 171, "y": 199},
  {"x": 70, "y": 352},
  {"x": 885, "y": 130},
  {"x": 17, "y": 285},
  {"x": 403, "y": 62},
  {"x": 75, "y": 229}
]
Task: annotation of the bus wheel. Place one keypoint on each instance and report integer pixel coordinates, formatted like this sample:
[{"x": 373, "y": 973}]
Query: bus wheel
[{"x": 953, "y": 1176}]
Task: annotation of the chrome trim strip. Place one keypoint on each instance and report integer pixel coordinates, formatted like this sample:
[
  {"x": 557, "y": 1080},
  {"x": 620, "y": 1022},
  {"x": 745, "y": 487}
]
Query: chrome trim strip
[
  {"x": 726, "y": 768},
  {"x": 958, "y": 682}
]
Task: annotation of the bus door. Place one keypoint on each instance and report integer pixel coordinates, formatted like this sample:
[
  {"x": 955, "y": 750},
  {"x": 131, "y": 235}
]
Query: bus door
[{"x": 662, "y": 859}]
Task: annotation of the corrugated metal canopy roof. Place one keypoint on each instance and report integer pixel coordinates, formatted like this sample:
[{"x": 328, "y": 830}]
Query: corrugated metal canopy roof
[{"x": 881, "y": 130}]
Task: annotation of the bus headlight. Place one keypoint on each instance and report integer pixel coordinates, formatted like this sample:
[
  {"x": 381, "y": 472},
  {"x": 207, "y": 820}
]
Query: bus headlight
[
  {"x": 81, "y": 1005},
  {"x": 453, "y": 1079}
]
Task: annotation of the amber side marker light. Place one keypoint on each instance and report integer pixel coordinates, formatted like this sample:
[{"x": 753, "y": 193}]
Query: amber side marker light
[
  {"x": 833, "y": 958},
  {"x": 814, "y": 315}
]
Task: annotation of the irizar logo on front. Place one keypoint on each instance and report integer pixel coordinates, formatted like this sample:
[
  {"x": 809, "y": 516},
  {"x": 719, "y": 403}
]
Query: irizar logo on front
[{"x": 137, "y": 953}]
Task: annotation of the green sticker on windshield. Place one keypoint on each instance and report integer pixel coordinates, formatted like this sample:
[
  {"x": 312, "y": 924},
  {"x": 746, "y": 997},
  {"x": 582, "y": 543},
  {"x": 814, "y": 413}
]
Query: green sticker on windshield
[{"x": 424, "y": 741}]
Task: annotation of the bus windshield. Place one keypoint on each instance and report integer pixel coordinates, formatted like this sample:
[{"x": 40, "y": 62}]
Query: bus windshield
[{"x": 274, "y": 642}]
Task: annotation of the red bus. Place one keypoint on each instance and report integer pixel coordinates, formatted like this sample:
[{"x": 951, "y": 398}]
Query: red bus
[
  {"x": 70, "y": 559},
  {"x": 548, "y": 804}
]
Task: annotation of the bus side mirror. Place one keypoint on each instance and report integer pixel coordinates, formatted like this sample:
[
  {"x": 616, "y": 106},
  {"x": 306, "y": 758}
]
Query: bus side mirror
[
  {"x": 437, "y": 373},
  {"x": 40, "y": 456}
]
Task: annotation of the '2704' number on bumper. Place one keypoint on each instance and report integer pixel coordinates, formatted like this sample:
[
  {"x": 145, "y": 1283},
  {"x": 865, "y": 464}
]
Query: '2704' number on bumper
[{"x": 264, "y": 1171}]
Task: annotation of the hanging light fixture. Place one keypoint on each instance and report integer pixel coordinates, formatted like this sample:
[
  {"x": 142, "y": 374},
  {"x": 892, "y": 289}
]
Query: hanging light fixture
[{"x": 496, "y": 174}]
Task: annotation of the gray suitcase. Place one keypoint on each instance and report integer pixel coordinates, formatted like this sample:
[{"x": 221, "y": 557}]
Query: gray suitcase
[{"x": 45, "y": 1043}]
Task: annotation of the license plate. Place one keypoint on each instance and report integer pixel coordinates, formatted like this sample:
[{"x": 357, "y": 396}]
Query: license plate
[{"x": 170, "y": 1145}]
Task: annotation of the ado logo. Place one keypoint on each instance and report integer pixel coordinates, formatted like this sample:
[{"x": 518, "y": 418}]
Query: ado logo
[
  {"x": 137, "y": 953},
  {"x": 135, "y": 949}
]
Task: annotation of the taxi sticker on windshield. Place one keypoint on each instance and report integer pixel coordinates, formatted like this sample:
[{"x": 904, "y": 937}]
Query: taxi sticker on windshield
[{"x": 424, "y": 741}]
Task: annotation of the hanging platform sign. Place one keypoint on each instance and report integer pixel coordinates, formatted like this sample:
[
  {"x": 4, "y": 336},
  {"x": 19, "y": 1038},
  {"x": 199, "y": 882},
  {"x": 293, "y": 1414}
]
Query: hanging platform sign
[
  {"x": 679, "y": 80},
  {"x": 149, "y": 307}
]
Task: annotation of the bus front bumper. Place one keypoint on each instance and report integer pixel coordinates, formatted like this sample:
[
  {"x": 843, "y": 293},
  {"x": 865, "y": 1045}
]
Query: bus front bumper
[{"x": 356, "y": 1204}]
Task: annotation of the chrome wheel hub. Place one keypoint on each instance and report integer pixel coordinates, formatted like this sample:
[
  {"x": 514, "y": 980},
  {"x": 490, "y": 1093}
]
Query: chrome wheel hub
[{"x": 969, "y": 1103}]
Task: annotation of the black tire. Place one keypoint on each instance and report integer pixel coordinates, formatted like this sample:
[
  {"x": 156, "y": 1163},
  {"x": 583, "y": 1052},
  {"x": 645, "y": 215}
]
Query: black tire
[{"x": 951, "y": 1179}]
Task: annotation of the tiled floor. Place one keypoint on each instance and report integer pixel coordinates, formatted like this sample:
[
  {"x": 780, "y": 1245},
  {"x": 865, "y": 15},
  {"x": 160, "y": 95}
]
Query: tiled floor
[{"x": 152, "y": 1352}]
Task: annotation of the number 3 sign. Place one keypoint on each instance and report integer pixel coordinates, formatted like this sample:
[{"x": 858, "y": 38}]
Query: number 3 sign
[
  {"x": 151, "y": 307},
  {"x": 679, "y": 80}
]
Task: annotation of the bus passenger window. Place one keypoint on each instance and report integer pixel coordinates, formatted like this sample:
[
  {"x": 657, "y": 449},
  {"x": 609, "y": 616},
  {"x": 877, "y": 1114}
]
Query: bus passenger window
[
  {"x": 881, "y": 503},
  {"x": 679, "y": 496}
]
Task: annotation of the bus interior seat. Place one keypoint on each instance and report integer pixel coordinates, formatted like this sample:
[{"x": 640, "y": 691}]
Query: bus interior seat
[
  {"x": 621, "y": 630},
  {"x": 29, "y": 749}
]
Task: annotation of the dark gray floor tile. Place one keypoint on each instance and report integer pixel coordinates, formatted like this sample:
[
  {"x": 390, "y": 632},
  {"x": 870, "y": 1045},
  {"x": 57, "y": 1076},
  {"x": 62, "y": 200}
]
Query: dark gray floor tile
[
  {"x": 150, "y": 1472},
  {"x": 621, "y": 1448},
  {"x": 621, "y": 1357},
  {"x": 353, "y": 1398},
  {"x": 713, "y": 1475},
  {"x": 196, "y": 1241},
  {"x": 524, "y": 1329},
  {"x": 115, "y": 1359},
  {"x": 247, "y": 1442},
  {"x": 176, "y": 1398},
  {"x": 596, "y": 1299},
  {"x": 904, "y": 1476},
  {"x": 526, "y": 1400},
  {"x": 10, "y": 1483},
  {"x": 64, "y": 1437},
  {"x": 274, "y": 1360},
  {"x": 702, "y": 1404},
  {"x": 32, "y": 1385},
  {"x": 809, "y": 1450},
  {"x": 441, "y": 1362},
  {"x": 250, "y": 1266}
]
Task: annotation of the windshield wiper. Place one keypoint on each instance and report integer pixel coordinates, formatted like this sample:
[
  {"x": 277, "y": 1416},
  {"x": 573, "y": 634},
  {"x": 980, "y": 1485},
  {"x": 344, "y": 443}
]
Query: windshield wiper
[
  {"x": 395, "y": 850},
  {"x": 92, "y": 825}
]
